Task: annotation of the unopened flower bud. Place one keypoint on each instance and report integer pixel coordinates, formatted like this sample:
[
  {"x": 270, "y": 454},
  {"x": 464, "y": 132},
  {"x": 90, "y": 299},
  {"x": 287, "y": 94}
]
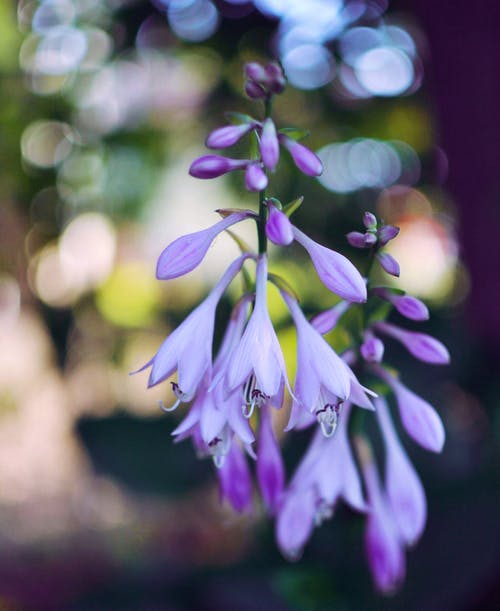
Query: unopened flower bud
[
  {"x": 278, "y": 227},
  {"x": 223, "y": 137},
  {"x": 387, "y": 233},
  {"x": 269, "y": 145},
  {"x": 211, "y": 166},
  {"x": 372, "y": 349},
  {"x": 254, "y": 90},
  {"x": 369, "y": 220},
  {"x": 357, "y": 239},
  {"x": 307, "y": 161},
  {"x": 275, "y": 78},
  {"x": 388, "y": 263},
  {"x": 255, "y": 177},
  {"x": 255, "y": 72}
]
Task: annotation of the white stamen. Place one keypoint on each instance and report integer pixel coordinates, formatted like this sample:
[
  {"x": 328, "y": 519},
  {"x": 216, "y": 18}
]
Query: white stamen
[
  {"x": 328, "y": 417},
  {"x": 164, "y": 408}
]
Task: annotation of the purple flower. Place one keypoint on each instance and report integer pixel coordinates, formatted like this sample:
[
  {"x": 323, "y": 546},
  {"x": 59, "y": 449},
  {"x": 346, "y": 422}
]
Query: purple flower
[
  {"x": 269, "y": 145},
  {"x": 226, "y": 136},
  {"x": 388, "y": 263},
  {"x": 257, "y": 361},
  {"x": 188, "y": 349},
  {"x": 383, "y": 544},
  {"x": 361, "y": 240},
  {"x": 325, "y": 321},
  {"x": 323, "y": 381},
  {"x": 387, "y": 233},
  {"x": 420, "y": 420},
  {"x": 420, "y": 345},
  {"x": 326, "y": 473},
  {"x": 406, "y": 305},
  {"x": 307, "y": 161},
  {"x": 254, "y": 90},
  {"x": 404, "y": 489},
  {"x": 211, "y": 166},
  {"x": 278, "y": 227},
  {"x": 335, "y": 271},
  {"x": 235, "y": 480},
  {"x": 255, "y": 177},
  {"x": 187, "y": 252},
  {"x": 270, "y": 468},
  {"x": 372, "y": 348},
  {"x": 370, "y": 220}
]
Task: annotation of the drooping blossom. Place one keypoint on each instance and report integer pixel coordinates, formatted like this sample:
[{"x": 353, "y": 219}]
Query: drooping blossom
[
  {"x": 404, "y": 490},
  {"x": 255, "y": 177},
  {"x": 185, "y": 253},
  {"x": 420, "y": 420},
  {"x": 408, "y": 306},
  {"x": 388, "y": 264},
  {"x": 235, "y": 479},
  {"x": 383, "y": 543},
  {"x": 270, "y": 467},
  {"x": 326, "y": 474},
  {"x": 224, "y": 137},
  {"x": 212, "y": 166},
  {"x": 420, "y": 345},
  {"x": 188, "y": 349},
  {"x": 325, "y": 321},
  {"x": 372, "y": 348},
  {"x": 307, "y": 161},
  {"x": 335, "y": 271},
  {"x": 257, "y": 363},
  {"x": 269, "y": 145}
]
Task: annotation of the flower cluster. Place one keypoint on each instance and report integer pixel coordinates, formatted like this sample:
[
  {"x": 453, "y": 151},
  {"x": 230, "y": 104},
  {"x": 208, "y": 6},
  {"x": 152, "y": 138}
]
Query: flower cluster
[{"x": 234, "y": 393}]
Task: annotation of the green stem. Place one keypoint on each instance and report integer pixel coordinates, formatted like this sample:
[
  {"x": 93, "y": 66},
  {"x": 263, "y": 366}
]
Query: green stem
[{"x": 261, "y": 223}]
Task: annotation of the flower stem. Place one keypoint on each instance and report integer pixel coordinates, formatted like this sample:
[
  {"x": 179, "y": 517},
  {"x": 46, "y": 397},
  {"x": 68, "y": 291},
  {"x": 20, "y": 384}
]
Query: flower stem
[{"x": 261, "y": 223}]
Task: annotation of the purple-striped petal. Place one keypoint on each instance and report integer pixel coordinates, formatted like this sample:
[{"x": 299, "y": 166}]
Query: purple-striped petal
[
  {"x": 269, "y": 145},
  {"x": 255, "y": 177},
  {"x": 278, "y": 227},
  {"x": 307, "y": 161}
]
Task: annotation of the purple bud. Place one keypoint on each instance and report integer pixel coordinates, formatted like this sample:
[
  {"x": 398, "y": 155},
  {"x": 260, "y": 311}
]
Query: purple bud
[
  {"x": 227, "y": 136},
  {"x": 278, "y": 227},
  {"x": 307, "y": 161},
  {"x": 420, "y": 345},
  {"x": 255, "y": 71},
  {"x": 387, "y": 233},
  {"x": 372, "y": 348},
  {"x": 295, "y": 522},
  {"x": 370, "y": 239},
  {"x": 325, "y": 321},
  {"x": 255, "y": 177},
  {"x": 275, "y": 78},
  {"x": 369, "y": 220},
  {"x": 269, "y": 145},
  {"x": 254, "y": 90},
  {"x": 211, "y": 166},
  {"x": 270, "y": 468},
  {"x": 388, "y": 263},
  {"x": 356, "y": 239},
  {"x": 335, "y": 271},
  {"x": 235, "y": 480},
  {"x": 187, "y": 252},
  {"x": 420, "y": 420},
  {"x": 410, "y": 307}
]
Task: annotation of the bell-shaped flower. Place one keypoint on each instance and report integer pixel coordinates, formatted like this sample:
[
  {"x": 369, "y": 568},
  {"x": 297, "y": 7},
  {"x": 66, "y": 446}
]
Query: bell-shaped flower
[
  {"x": 185, "y": 253},
  {"x": 212, "y": 166},
  {"x": 188, "y": 349},
  {"x": 323, "y": 381},
  {"x": 307, "y": 161},
  {"x": 257, "y": 362},
  {"x": 278, "y": 227},
  {"x": 383, "y": 544},
  {"x": 235, "y": 480},
  {"x": 388, "y": 263},
  {"x": 404, "y": 489},
  {"x": 269, "y": 145},
  {"x": 420, "y": 345},
  {"x": 420, "y": 420},
  {"x": 255, "y": 177},
  {"x": 270, "y": 467},
  {"x": 226, "y": 136},
  {"x": 295, "y": 522},
  {"x": 335, "y": 271},
  {"x": 408, "y": 306}
]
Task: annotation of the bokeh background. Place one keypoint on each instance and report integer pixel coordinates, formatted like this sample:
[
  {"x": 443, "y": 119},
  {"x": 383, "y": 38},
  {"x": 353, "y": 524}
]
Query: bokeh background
[{"x": 104, "y": 105}]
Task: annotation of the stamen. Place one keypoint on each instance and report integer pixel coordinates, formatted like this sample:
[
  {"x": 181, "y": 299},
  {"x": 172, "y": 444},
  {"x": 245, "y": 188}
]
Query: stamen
[
  {"x": 252, "y": 397},
  {"x": 328, "y": 417},
  {"x": 324, "y": 511},
  {"x": 164, "y": 408},
  {"x": 218, "y": 447},
  {"x": 182, "y": 396},
  {"x": 247, "y": 410}
]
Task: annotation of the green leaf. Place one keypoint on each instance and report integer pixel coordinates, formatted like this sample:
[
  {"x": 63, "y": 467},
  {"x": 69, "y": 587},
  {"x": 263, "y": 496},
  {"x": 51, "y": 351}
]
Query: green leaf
[
  {"x": 294, "y": 133},
  {"x": 292, "y": 206},
  {"x": 237, "y": 118},
  {"x": 380, "y": 311}
]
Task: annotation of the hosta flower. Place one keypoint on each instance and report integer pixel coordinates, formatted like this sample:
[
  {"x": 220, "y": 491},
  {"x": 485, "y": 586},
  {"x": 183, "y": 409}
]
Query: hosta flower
[
  {"x": 235, "y": 480},
  {"x": 335, "y": 271},
  {"x": 188, "y": 349},
  {"x": 212, "y": 166},
  {"x": 404, "y": 490},
  {"x": 226, "y": 136},
  {"x": 187, "y": 252},
  {"x": 257, "y": 364},
  {"x": 255, "y": 177},
  {"x": 420, "y": 345},
  {"x": 270, "y": 467},
  {"x": 278, "y": 227},
  {"x": 420, "y": 420},
  {"x": 388, "y": 263},
  {"x": 269, "y": 145},
  {"x": 408, "y": 306},
  {"x": 307, "y": 161}
]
